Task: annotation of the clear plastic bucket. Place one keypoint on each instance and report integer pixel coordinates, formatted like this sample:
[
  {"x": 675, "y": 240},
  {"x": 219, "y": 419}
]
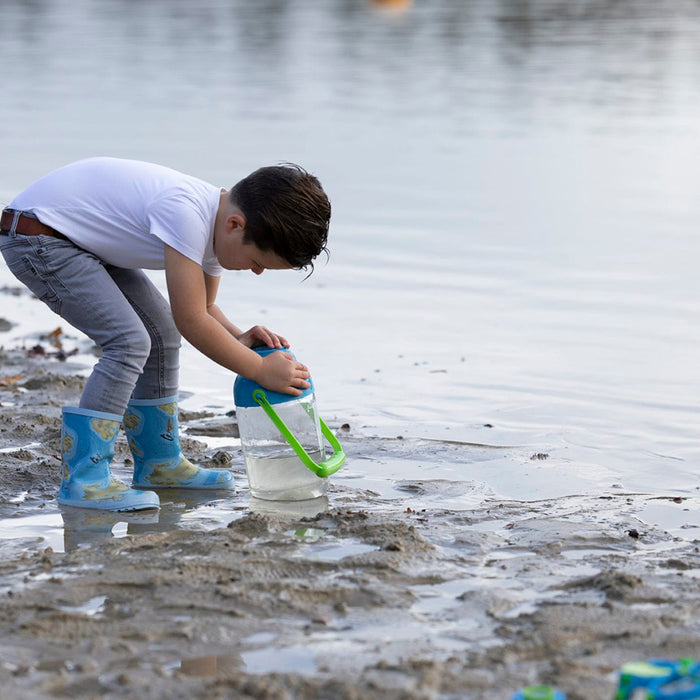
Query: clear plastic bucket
[{"x": 282, "y": 437}]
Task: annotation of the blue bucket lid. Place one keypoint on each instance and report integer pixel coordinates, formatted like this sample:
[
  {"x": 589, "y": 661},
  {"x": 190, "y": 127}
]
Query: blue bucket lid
[{"x": 243, "y": 387}]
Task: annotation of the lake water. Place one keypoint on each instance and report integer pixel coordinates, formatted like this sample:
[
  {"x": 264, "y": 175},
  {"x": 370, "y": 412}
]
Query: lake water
[{"x": 515, "y": 231}]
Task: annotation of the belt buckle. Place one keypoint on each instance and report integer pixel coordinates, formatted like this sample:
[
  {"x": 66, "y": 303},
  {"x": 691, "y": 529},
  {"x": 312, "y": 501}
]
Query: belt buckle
[{"x": 15, "y": 220}]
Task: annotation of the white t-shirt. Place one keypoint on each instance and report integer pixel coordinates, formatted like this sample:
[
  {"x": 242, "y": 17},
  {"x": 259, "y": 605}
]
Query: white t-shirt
[{"x": 125, "y": 211}]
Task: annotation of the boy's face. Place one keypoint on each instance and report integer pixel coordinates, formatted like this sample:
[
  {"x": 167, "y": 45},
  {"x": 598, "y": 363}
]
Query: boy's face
[{"x": 235, "y": 254}]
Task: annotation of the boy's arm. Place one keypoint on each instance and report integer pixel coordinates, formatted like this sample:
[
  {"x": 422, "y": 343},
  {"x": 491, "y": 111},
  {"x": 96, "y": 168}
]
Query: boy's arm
[
  {"x": 212, "y": 287},
  {"x": 187, "y": 289}
]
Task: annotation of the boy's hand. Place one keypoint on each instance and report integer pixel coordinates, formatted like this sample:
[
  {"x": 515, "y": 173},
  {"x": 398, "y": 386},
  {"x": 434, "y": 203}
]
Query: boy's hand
[
  {"x": 259, "y": 335},
  {"x": 281, "y": 372}
]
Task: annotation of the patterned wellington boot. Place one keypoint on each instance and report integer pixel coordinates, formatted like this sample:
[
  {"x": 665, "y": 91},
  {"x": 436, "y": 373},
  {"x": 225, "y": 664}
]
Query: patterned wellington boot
[
  {"x": 87, "y": 448},
  {"x": 152, "y": 430}
]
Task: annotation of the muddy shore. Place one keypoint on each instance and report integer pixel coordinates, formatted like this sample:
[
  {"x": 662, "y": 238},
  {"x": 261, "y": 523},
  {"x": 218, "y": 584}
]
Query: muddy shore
[{"x": 428, "y": 589}]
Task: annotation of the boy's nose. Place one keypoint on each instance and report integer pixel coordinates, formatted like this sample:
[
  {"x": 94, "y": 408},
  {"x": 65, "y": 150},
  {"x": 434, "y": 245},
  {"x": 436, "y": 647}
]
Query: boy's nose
[{"x": 257, "y": 269}]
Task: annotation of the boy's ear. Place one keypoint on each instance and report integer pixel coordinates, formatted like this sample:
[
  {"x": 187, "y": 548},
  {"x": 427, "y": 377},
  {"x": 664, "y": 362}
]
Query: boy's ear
[{"x": 235, "y": 221}]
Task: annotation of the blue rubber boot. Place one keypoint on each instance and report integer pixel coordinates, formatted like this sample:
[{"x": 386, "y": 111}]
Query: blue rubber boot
[
  {"x": 87, "y": 448},
  {"x": 152, "y": 430}
]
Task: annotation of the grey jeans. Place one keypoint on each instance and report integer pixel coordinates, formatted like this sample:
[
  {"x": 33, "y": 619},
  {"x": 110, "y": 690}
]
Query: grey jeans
[{"x": 120, "y": 310}]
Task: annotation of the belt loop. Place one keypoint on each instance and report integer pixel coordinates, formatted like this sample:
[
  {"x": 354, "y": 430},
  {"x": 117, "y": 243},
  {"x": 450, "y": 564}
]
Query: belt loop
[{"x": 15, "y": 220}]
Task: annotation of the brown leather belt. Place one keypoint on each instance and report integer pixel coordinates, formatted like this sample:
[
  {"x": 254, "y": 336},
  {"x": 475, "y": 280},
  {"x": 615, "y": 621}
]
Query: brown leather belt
[{"x": 27, "y": 226}]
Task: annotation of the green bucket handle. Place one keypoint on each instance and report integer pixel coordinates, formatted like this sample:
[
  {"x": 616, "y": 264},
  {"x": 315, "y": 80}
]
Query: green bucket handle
[{"x": 325, "y": 468}]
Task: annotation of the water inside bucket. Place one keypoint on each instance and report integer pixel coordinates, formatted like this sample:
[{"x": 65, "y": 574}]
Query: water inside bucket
[{"x": 284, "y": 478}]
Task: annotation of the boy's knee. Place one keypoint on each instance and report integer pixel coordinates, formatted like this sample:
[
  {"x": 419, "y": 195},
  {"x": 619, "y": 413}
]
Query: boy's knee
[{"x": 131, "y": 348}]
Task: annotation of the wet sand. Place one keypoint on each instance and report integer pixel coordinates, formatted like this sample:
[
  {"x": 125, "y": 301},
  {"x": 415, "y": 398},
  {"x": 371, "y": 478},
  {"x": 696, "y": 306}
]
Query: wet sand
[{"x": 420, "y": 588}]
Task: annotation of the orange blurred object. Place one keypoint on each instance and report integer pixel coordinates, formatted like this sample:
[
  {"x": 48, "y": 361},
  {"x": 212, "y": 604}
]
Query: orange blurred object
[{"x": 394, "y": 4}]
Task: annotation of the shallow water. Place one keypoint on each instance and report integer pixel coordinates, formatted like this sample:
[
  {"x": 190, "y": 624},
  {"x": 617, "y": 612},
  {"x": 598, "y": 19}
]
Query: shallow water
[{"x": 514, "y": 238}]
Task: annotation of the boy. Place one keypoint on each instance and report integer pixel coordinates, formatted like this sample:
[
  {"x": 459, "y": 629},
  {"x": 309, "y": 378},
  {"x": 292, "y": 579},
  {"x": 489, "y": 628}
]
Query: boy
[{"x": 79, "y": 239}]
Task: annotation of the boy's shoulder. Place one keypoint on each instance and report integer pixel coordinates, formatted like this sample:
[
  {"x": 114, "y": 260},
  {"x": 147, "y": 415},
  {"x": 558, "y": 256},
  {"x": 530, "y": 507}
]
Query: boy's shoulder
[
  {"x": 110, "y": 166},
  {"x": 141, "y": 175}
]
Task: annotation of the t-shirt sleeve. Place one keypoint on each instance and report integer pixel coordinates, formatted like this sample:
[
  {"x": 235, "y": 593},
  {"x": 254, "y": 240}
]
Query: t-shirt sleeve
[{"x": 180, "y": 223}]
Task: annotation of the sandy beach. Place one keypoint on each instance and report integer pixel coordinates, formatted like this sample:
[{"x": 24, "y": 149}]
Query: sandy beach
[{"x": 430, "y": 589}]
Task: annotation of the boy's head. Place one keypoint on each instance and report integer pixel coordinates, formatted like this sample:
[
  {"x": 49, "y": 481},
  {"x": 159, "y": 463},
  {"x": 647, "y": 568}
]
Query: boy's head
[{"x": 286, "y": 211}]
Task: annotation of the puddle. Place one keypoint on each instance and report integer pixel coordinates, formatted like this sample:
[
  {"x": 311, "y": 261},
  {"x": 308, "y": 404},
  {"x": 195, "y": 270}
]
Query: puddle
[
  {"x": 317, "y": 545},
  {"x": 260, "y": 638},
  {"x": 15, "y": 448},
  {"x": 199, "y": 513},
  {"x": 19, "y": 498},
  {"x": 679, "y": 519},
  {"x": 292, "y": 659},
  {"x": 334, "y": 551},
  {"x": 438, "y": 599},
  {"x": 335, "y": 648},
  {"x": 46, "y": 529},
  {"x": 217, "y": 666},
  {"x": 90, "y": 608},
  {"x": 395, "y": 634},
  {"x": 584, "y": 553},
  {"x": 66, "y": 529},
  {"x": 308, "y": 534}
]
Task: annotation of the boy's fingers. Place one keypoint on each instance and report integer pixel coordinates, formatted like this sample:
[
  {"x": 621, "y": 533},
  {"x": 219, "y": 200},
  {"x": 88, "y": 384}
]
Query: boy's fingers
[
  {"x": 272, "y": 340},
  {"x": 277, "y": 340}
]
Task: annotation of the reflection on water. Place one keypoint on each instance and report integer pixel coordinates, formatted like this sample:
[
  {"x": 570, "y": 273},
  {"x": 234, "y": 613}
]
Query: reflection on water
[
  {"x": 180, "y": 509},
  {"x": 290, "y": 509},
  {"x": 514, "y": 239},
  {"x": 287, "y": 659},
  {"x": 71, "y": 528},
  {"x": 79, "y": 527},
  {"x": 83, "y": 526},
  {"x": 219, "y": 666}
]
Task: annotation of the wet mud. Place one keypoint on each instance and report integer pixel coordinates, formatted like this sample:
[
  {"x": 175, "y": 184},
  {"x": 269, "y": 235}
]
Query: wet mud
[{"x": 396, "y": 588}]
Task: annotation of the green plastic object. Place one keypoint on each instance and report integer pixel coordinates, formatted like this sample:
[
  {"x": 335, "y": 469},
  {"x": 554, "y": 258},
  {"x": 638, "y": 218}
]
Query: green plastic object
[
  {"x": 539, "y": 692},
  {"x": 325, "y": 468},
  {"x": 639, "y": 674},
  {"x": 672, "y": 679}
]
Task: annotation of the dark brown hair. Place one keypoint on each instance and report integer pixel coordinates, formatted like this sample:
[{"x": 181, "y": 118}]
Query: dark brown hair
[{"x": 286, "y": 211}]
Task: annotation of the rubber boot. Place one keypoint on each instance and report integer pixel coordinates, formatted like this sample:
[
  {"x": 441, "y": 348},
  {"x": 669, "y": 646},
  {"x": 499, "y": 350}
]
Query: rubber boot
[
  {"x": 152, "y": 430},
  {"x": 87, "y": 448}
]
